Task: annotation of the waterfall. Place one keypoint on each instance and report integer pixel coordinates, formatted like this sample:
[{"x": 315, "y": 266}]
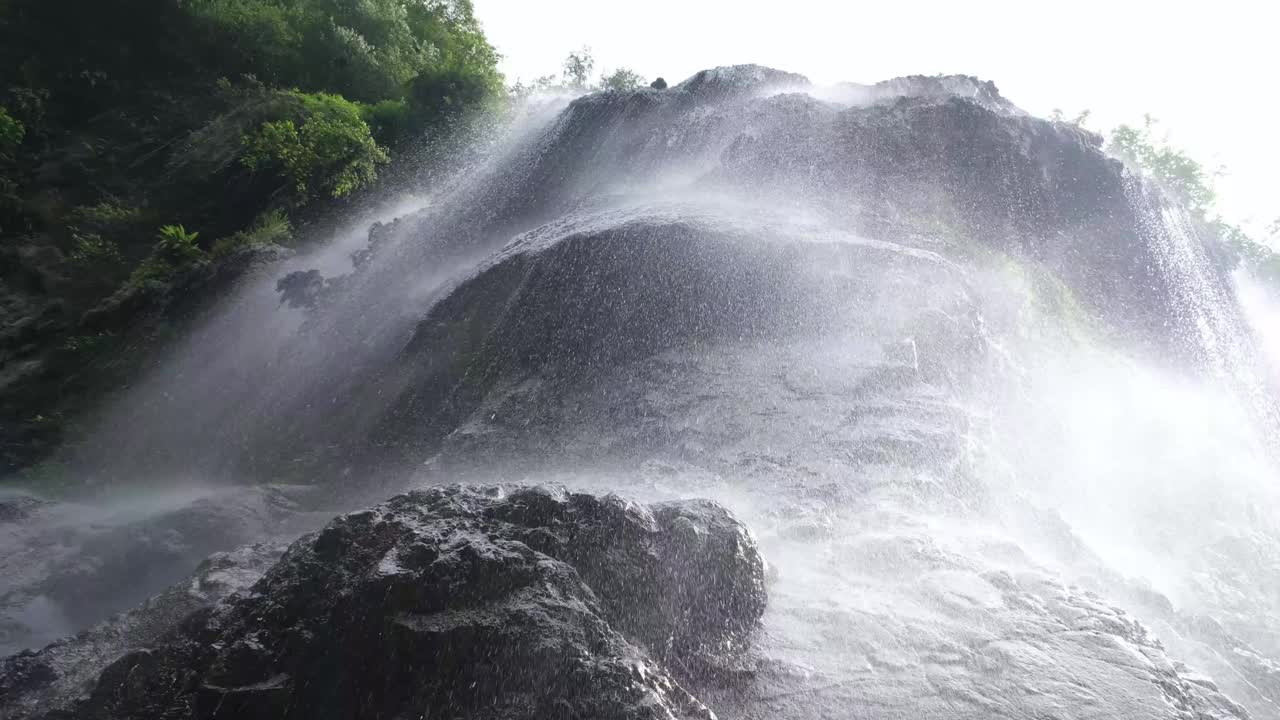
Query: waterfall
[
  {"x": 1206, "y": 306},
  {"x": 905, "y": 333}
]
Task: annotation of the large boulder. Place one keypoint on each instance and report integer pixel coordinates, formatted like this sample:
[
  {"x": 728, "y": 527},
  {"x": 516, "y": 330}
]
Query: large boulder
[
  {"x": 69, "y": 565},
  {"x": 477, "y": 602},
  {"x": 32, "y": 683}
]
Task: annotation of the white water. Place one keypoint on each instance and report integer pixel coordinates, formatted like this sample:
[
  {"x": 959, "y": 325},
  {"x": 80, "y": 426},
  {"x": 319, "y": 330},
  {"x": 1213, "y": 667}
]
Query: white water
[{"x": 939, "y": 475}]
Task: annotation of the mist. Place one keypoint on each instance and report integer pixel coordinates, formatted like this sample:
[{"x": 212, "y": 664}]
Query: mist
[{"x": 979, "y": 391}]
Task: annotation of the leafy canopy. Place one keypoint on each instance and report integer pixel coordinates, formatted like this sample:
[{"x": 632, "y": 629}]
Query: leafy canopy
[
  {"x": 11, "y": 132},
  {"x": 366, "y": 50},
  {"x": 1171, "y": 167},
  {"x": 1189, "y": 182},
  {"x": 577, "y": 68},
  {"x": 622, "y": 79},
  {"x": 327, "y": 150}
]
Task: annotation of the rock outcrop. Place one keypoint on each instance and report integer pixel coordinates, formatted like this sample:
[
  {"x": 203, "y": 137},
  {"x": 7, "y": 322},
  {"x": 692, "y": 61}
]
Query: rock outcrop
[
  {"x": 465, "y": 602},
  {"x": 573, "y": 305},
  {"x": 33, "y": 683},
  {"x": 67, "y": 566}
]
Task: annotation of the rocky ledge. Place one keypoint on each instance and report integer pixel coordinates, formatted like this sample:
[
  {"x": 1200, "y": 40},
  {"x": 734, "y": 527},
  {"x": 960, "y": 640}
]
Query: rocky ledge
[{"x": 477, "y": 602}]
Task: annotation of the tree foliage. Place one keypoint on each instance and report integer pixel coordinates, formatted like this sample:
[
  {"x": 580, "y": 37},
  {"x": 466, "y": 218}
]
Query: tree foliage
[
  {"x": 577, "y": 68},
  {"x": 11, "y": 133},
  {"x": 1176, "y": 171},
  {"x": 575, "y": 77},
  {"x": 327, "y": 149},
  {"x": 1188, "y": 181},
  {"x": 622, "y": 79},
  {"x": 214, "y": 111},
  {"x": 366, "y": 51}
]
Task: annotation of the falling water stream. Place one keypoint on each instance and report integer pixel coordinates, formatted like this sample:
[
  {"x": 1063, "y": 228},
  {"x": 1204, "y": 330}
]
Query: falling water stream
[{"x": 959, "y": 470}]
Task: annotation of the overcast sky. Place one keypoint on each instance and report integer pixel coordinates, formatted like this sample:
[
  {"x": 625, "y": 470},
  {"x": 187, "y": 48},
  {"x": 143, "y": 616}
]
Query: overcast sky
[{"x": 1208, "y": 71}]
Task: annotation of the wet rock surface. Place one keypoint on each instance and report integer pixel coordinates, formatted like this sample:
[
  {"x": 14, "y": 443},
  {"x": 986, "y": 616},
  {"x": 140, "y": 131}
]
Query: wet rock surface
[
  {"x": 36, "y": 683},
  {"x": 67, "y": 566},
  {"x": 804, "y": 330},
  {"x": 465, "y": 602},
  {"x": 578, "y": 300}
]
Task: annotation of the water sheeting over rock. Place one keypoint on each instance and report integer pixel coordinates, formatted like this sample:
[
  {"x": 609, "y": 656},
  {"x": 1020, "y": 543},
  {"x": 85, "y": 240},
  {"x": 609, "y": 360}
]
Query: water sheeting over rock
[
  {"x": 578, "y": 300},
  {"x": 939, "y": 164},
  {"x": 904, "y": 331}
]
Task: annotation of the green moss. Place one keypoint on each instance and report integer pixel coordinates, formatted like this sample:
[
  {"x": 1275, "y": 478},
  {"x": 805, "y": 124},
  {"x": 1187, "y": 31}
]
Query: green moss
[{"x": 1044, "y": 294}]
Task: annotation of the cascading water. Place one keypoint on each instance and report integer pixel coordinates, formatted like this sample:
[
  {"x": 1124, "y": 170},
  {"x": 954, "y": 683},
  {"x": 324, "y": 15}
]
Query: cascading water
[
  {"x": 1205, "y": 302},
  {"x": 901, "y": 331}
]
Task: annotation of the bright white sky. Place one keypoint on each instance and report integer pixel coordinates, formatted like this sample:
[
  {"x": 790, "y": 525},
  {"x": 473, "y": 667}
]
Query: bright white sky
[{"x": 1207, "y": 70}]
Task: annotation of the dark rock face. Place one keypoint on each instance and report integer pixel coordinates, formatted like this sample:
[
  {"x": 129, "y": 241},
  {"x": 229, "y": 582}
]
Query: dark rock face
[
  {"x": 56, "y": 365},
  {"x": 944, "y": 156},
  {"x": 68, "y": 566},
  {"x": 595, "y": 269},
  {"x": 33, "y": 683},
  {"x": 575, "y": 305},
  {"x": 466, "y": 602},
  {"x": 943, "y": 164}
]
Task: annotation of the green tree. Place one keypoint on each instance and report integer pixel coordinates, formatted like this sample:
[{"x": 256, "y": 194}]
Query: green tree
[
  {"x": 577, "y": 68},
  {"x": 327, "y": 150},
  {"x": 622, "y": 79},
  {"x": 367, "y": 50},
  {"x": 1188, "y": 181},
  {"x": 1172, "y": 168},
  {"x": 231, "y": 114},
  {"x": 11, "y": 133}
]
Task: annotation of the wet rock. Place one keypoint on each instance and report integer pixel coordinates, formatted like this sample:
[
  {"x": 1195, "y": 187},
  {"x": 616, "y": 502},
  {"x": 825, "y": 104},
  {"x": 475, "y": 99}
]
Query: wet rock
[
  {"x": 68, "y": 566},
  {"x": 466, "y": 602},
  {"x": 34, "y": 683},
  {"x": 623, "y": 288},
  {"x": 17, "y": 505},
  {"x": 301, "y": 288}
]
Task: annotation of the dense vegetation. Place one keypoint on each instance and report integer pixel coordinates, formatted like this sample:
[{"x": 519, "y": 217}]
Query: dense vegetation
[
  {"x": 142, "y": 141},
  {"x": 119, "y": 117}
]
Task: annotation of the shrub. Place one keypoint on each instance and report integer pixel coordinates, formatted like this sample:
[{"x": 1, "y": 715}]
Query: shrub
[
  {"x": 330, "y": 151},
  {"x": 11, "y": 132},
  {"x": 271, "y": 228},
  {"x": 442, "y": 94},
  {"x": 179, "y": 245},
  {"x": 106, "y": 214},
  {"x": 1176, "y": 171},
  {"x": 388, "y": 120},
  {"x": 622, "y": 79},
  {"x": 92, "y": 252}
]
